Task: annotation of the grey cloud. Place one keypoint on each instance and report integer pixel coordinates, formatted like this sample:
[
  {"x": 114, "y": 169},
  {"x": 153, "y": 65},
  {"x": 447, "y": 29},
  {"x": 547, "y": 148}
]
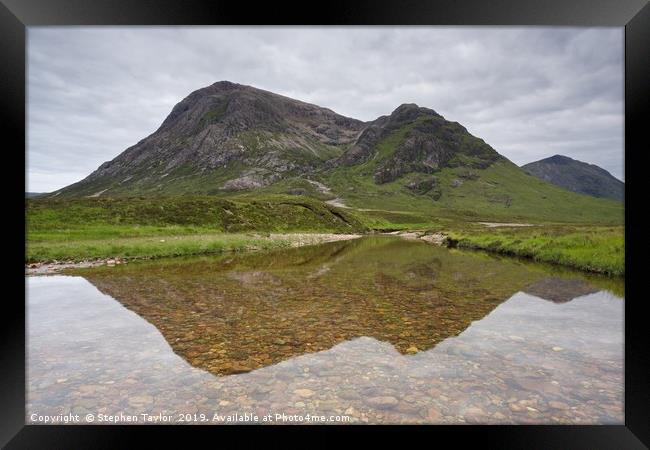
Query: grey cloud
[{"x": 529, "y": 92}]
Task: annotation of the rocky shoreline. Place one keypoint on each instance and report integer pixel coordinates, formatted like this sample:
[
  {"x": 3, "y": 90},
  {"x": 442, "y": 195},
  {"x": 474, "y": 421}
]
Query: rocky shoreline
[{"x": 53, "y": 267}]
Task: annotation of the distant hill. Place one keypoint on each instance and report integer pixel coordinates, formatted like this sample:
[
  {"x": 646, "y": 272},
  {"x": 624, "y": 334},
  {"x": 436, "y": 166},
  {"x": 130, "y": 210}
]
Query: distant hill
[
  {"x": 577, "y": 176},
  {"x": 232, "y": 140},
  {"x": 34, "y": 194}
]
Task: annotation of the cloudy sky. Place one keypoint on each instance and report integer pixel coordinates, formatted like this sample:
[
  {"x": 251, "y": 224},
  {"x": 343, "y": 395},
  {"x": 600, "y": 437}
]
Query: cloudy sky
[{"x": 528, "y": 92}]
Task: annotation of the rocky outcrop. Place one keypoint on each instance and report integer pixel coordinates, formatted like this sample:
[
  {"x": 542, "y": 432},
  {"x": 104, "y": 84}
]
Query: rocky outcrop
[
  {"x": 428, "y": 143},
  {"x": 379, "y": 129},
  {"x": 425, "y": 185}
]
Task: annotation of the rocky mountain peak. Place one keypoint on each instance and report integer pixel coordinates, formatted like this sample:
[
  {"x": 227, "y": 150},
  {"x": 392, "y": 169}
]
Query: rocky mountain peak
[
  {"x": 411, "y": 111},
  {"x": 560, "y": 159},
  {"x": 226, "y": 85},
  {"x": 405, "y": 108}
]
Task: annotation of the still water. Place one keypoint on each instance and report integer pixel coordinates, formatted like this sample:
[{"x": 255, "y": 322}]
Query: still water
[{"x": 374, "y": 330}]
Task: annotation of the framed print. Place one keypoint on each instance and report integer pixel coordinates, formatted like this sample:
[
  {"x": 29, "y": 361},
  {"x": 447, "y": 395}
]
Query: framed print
[{"x": 369, "y": 216}]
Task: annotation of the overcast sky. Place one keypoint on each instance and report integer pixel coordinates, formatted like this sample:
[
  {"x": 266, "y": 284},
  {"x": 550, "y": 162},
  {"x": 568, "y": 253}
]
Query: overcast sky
[{"x": 528, "y": 92}]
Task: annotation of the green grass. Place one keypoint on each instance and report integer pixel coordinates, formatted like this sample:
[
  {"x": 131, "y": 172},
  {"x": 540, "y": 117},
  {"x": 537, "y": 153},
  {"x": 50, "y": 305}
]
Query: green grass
[
  {"x": 147, "y": 247},
  {"x": 193, "y": 213},
  {"x": 501, "y": 192},
  {"x": 170, "y": 226},
  {"x": 505, "y": 191},
  {"x": 593, "y": 249}
]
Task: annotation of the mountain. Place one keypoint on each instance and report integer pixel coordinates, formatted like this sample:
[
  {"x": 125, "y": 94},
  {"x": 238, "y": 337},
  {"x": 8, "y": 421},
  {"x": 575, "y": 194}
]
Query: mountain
[
  {"x": 233, "y": 140},
  {"x": 34, "y": 194},
  {"x": 225, "y": 137},
  {"x": 427, "y": 143},
  {"x": 229, "y": 137},
  {"x": 577, "y": 176}
]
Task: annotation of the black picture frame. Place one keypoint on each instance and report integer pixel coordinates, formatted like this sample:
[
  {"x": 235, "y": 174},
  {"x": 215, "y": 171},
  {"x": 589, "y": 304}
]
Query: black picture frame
[{"x": 16, "y": 15}]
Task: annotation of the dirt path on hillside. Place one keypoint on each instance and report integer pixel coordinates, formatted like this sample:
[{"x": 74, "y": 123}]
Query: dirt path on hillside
[
  {"x": 505, "y": 224},
  {"x": 338, "y": 202}
]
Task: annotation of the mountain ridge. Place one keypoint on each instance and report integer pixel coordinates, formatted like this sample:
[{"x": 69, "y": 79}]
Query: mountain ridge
[
  {"x": 268, "y": 136},
  {"x": 233, "y": 140}
]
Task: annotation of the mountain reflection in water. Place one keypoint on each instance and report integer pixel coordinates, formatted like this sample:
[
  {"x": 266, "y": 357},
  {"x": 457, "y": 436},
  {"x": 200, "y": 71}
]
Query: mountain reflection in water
[
  {"x": 522, "y": 360},
  {"x": 236, "y": 313}
]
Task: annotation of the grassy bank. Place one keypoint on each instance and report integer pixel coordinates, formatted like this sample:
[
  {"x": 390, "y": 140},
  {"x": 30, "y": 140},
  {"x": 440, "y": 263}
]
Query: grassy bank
[
  {"x": 165, "y": 245},
  {"x": 97, "y": 228},
  {"x": 150, "y": 246},
  {"x": 589, "y": 248},
  {"x": 272, "y": 213},
  {"x": 172, "y": 226}
]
